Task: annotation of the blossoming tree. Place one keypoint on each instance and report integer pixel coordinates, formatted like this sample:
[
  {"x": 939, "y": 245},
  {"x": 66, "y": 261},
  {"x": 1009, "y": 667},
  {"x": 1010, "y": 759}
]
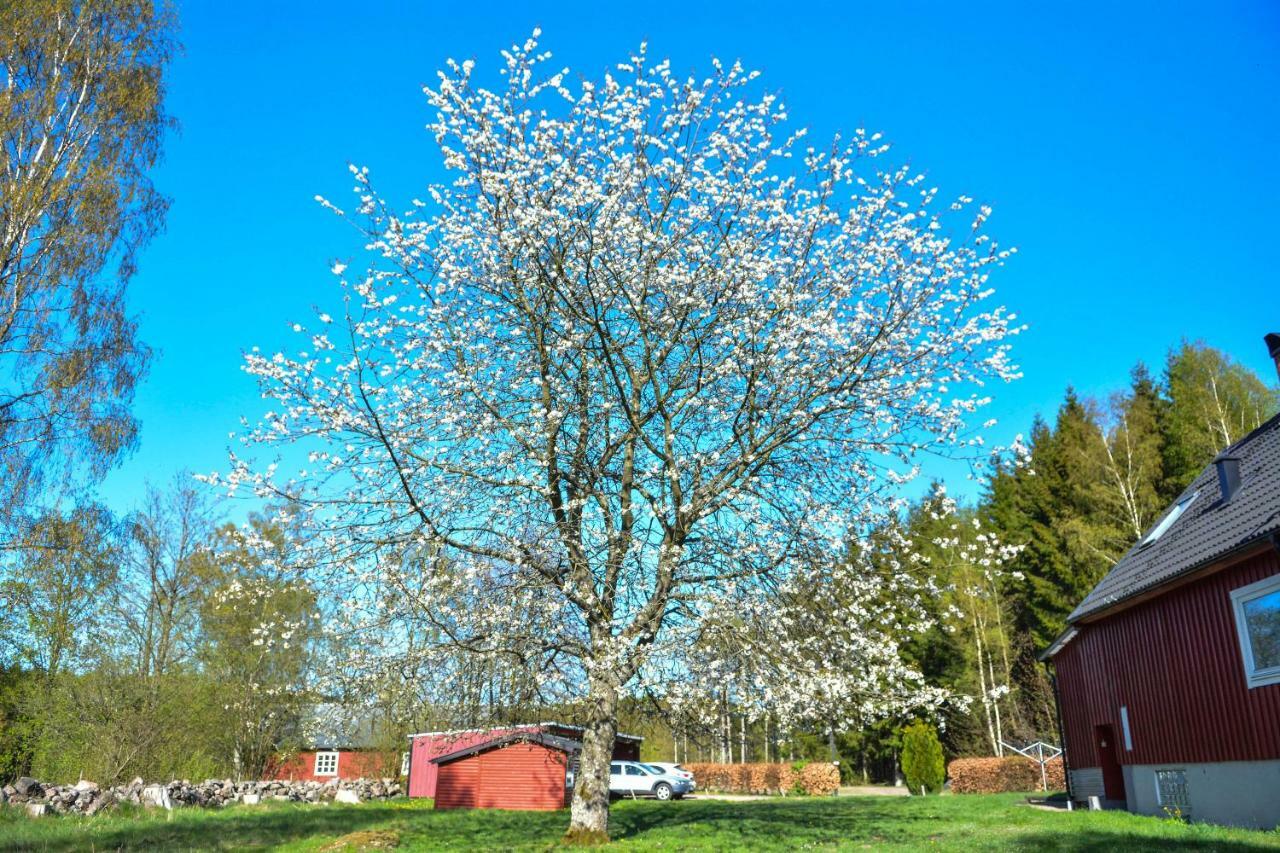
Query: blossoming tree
[{"x": 641, "y": 359}]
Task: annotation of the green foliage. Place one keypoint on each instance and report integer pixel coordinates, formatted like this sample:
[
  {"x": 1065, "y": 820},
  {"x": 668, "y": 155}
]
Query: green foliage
[
  {"x": 62, "y": 568},
  {"x": 81, "y": 124},
  {"x": 99, "y": 678},
  {"x": 260, "y": 625},
  {"x": 15, "y": 726},
  {"x": 1213, "y": 402},
  {"x": 109, "y": 724},
  {"x": 923, "y": 763}
]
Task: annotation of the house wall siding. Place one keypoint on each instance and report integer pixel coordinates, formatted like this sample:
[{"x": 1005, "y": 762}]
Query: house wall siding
[
  {"x": 1086, "y": 782},
  {"x": 523, "y": 776},
  {"x": 1174, "y": 662},
  {"x": 352, "y": 764}
]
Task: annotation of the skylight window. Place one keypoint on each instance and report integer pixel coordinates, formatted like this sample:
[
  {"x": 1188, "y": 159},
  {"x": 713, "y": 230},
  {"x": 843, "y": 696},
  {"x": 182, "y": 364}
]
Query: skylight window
[{"x": 1168, "y": 520}]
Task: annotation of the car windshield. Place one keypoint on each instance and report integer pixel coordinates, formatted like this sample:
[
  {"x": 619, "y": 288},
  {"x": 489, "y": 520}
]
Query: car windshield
[{"x": 653, "y": 769}]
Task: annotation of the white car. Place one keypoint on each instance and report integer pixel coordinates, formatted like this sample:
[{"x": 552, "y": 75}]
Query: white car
[
  {"x": 675, "y": 770},
  {"x": 633, "y": 779}
]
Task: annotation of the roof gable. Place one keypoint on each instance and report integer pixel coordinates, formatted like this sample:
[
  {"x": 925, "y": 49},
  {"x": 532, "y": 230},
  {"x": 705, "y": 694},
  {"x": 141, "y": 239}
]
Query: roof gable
[
  {"x": 1207, "y": 529},
  {"x": 543, "y": 726},
  {"x": 557, "y": 743}
]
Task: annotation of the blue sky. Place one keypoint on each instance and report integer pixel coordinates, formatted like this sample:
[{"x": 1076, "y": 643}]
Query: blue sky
[{"x": 1129, "y": 151}]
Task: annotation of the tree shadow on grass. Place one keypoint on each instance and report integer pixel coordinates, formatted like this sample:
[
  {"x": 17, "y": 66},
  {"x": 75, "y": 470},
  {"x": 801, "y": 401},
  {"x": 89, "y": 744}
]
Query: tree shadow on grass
[
  {"x": 245, "y": 828},
  {"x": 1101, "y": 841},
  {"x": 778, "y": 822},
  {"x": 856, "y": 822}
]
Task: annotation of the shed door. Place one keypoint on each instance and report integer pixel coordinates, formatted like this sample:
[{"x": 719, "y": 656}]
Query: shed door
[{"x": 1112, "y": 772}]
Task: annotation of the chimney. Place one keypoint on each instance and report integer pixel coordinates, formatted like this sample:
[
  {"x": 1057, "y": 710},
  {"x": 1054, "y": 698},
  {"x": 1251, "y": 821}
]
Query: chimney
[
  {"x": 1228, "y": 476},
  {"x": 1273, "y": 347}
]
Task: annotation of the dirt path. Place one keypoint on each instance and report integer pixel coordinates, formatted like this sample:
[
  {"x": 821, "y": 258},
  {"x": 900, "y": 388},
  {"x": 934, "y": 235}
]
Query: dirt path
[{"x": 873, "y": 791}]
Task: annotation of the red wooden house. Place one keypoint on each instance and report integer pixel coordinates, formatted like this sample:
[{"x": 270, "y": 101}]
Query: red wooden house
[
  {"x": 345, "y": 749},
  {"x": 1168, "y": 674},
  {"x": 322, "y": 763},
  {"x": 423, "y": 772}
]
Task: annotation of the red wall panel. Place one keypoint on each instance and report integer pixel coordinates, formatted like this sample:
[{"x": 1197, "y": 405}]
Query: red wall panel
[
  {"x": 422, "y": 773},
  {"x": 458, "y": 786},
  {"x": 1174, "y": 662},
  {"x": 516, "y": 776}
]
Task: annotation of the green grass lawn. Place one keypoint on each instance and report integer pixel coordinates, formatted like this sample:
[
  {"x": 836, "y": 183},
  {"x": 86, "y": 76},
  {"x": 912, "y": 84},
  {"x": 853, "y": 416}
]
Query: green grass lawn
[{"x": 996, "y": 822}]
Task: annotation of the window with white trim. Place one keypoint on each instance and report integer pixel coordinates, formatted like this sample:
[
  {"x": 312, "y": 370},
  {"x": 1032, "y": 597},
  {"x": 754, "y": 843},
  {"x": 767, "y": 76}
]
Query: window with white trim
[
  {"x": 1124, "y": 727},
  {"x": 404, "y": 764},
  {"x": 326, "y": 764},
  {"x": 1257, "y": 611}
]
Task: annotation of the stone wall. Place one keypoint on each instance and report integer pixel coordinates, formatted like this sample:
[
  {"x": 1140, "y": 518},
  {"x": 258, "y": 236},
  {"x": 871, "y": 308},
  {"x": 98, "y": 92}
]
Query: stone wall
[{"x": 89, "y": 798}]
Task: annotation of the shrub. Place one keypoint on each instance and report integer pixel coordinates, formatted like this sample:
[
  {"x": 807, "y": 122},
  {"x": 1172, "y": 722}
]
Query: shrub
[
  {"x": 995, "y": 775},
  {"x": 922, "y": 760}
]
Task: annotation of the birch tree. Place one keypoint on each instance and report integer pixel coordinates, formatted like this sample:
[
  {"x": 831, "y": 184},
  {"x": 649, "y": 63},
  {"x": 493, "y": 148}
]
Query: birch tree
[
  {"x": 1214, "y": 401},
  {"x": 81, "y": 123},
  {"x": 643, "y": 355}
]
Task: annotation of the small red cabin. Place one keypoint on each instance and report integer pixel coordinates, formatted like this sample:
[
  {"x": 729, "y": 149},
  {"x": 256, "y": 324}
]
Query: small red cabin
[
  {"x": 425, "y": 746},
  {"x": 523, "y": 770},
  {"x": 322, "y": 764}
]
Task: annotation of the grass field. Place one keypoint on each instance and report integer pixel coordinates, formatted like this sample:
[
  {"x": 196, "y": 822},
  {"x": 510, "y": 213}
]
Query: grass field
[{"x": 998, "y": 822}]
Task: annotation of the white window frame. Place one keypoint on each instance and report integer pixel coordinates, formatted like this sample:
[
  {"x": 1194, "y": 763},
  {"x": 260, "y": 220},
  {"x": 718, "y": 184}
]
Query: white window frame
[
  {"x": 1253, "y": 676},
  {"x": 1124, "y": 727},
  {"x": 326, "y": 754}
]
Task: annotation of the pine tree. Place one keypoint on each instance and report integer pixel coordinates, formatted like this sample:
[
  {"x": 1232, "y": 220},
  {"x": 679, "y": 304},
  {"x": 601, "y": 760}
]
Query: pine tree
[{"x": 1045, "y": 507}]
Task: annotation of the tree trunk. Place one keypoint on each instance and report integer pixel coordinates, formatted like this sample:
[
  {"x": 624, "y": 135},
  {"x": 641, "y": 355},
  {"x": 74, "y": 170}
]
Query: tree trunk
[{"x": 589, "y": 812}]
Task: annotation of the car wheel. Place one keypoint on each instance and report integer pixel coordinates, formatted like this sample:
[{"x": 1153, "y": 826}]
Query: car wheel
[{"x": 662, "y": 791}]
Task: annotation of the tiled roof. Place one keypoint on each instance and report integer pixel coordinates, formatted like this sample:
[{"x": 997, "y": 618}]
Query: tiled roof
[
  {"x": 1207, "y": 530},
  {"x": 328, "y": 725}
]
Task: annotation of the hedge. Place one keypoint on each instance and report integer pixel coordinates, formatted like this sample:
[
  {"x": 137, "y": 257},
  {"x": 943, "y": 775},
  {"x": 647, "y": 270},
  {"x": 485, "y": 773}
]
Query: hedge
[
  {"x": 815, "y": 778},
  {"x": 996, "y": 775}
]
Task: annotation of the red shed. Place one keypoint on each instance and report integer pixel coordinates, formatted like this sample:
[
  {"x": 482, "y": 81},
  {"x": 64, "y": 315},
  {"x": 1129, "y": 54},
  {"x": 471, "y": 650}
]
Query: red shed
[
  {"x": 424, "y": 746},
  {"x": 522, "y": 770},
  {"x": 1168, "y": 675}
]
